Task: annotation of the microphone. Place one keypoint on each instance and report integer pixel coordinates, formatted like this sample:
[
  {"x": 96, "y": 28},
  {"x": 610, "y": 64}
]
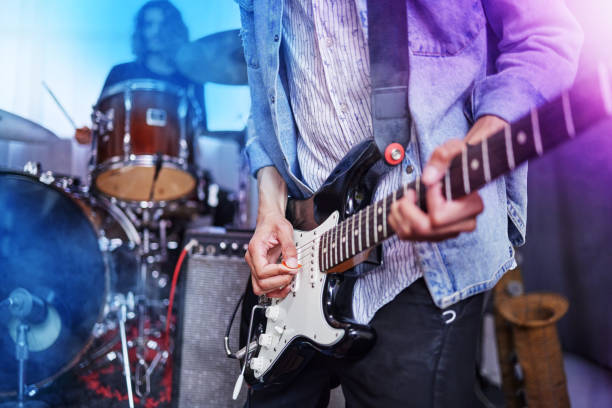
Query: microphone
[
  {"x": 27, "y": 307},
  {"x": 42, "y": 318}
]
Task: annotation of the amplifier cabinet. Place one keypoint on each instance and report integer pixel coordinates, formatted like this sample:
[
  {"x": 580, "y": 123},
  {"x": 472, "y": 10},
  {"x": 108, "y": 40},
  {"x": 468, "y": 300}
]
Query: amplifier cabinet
[{"x": 211, "y": 285}]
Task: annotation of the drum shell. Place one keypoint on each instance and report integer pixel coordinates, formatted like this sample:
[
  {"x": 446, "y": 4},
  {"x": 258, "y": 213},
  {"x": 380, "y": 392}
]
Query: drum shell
[{"x": 145, "y": 139}]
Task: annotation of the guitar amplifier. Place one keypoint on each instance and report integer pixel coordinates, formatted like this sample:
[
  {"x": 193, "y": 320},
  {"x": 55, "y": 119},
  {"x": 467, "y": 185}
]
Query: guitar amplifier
[{"x": 213, "y": 280}]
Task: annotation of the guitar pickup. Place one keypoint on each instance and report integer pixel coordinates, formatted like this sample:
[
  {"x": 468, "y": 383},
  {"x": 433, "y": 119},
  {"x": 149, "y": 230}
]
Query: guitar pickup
[{"x": 295, "y": 284}]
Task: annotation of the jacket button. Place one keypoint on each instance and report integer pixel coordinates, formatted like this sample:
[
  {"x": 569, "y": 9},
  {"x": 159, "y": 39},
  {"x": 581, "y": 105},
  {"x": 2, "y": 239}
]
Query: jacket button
[
  {"x": 275, "y": 37},
  {"x": 272, "y": 99},
  {"x": 409, "y": 169}
]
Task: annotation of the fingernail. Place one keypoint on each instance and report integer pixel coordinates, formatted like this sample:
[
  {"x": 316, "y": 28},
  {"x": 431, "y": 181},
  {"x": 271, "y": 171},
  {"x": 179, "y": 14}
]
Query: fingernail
[
  {"x": 430, "y": 174},
  {"x": 291, "y": 263}
]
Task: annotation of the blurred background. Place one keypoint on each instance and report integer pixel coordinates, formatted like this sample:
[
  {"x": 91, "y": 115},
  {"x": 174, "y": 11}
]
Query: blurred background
[{"x": 72, "y": 45}]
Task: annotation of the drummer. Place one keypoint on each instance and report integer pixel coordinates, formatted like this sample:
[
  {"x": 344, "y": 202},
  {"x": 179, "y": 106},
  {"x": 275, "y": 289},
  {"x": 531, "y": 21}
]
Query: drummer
[{"x": 158, "y": 33}]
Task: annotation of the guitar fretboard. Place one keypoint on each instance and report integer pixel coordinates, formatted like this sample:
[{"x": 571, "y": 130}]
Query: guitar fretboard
[{"x": 538, "y": 132}]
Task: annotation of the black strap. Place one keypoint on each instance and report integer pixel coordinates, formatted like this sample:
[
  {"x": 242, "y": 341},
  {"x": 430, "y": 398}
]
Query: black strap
[{"x": 389, "y": 72}]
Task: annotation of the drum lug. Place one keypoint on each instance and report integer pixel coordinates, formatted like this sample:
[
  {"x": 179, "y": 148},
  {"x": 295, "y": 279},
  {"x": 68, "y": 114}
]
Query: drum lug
[
  {"x": 32, "y": 168},
  {"x": 47, "y": 177}
]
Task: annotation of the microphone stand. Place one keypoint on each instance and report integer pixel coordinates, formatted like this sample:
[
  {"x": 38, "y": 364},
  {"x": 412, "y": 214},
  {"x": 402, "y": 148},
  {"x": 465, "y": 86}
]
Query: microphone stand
[{"x": 21, "y": 354}]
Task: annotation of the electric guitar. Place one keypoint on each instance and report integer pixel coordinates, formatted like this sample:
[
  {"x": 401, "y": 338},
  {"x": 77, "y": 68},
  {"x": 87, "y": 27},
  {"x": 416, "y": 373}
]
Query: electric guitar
[{"x": 337, "y": 228}]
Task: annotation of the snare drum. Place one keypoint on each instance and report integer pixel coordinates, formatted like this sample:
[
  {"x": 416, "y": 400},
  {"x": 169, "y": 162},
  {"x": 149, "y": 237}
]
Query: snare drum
[{"x": 141, "y": 149}]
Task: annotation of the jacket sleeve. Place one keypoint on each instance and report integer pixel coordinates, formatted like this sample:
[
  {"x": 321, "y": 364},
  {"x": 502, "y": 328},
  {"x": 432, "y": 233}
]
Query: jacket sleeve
[
  {"x": 539, "y": 45},
  {"x": 256, "y": 154}
]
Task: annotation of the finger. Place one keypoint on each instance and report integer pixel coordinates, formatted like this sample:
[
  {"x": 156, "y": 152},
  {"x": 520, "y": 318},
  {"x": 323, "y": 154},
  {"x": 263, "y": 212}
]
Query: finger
[
  {"x": 274, "y": 254},
  {"x": 274, "y": 283},
  {"x": 442, "y": 212},
  {"x": 440, "y": 160},
  {"x": 256, "y": 288},
  {"x": 258, "y": 251},
  {"x": 288, "y": 249},
  {"x": 417, "y": 221},
  {"x": 271, "y": 270}
]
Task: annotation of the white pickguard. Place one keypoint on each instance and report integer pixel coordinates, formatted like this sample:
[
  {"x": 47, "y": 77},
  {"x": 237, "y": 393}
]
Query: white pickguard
[{"x": 301, "y": 312}]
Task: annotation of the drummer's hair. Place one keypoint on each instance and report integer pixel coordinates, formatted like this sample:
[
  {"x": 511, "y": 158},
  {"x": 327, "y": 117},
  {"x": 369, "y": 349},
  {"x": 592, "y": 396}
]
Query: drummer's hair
[{"x": 173, "y": 26}]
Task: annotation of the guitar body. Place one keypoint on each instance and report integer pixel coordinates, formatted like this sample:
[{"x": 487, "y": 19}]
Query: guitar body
[{"x": 316, "y": 315}]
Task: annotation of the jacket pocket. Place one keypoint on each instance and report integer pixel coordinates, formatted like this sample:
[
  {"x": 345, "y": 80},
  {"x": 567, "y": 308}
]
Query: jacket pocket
[{"x": 441, "y": 29}]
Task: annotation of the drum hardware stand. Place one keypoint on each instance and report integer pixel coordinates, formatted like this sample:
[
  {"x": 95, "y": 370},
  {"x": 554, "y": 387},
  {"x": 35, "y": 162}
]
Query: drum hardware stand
[
  {"x": 21, "y": 354},
  {"x": 124, "y": 348}
]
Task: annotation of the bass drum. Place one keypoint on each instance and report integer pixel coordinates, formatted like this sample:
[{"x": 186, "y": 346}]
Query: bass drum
[{"x": 50, "y": 246}]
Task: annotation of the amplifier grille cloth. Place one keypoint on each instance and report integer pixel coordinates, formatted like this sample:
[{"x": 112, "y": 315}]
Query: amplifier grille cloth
[{"x": 213, "y": 286}]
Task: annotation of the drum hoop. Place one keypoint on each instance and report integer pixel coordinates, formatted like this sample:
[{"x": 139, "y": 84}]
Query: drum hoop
[
  {"x": 141, "y": 84},
  {"x": 140, "y": 160},
  {"x": 118, "y": 215},
  {"x": 70, "y": 364},
  {"x": 118, "y": 162}
]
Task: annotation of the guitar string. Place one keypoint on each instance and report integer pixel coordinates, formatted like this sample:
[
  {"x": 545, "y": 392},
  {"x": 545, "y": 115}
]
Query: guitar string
[{"x": 372, "y": 208}]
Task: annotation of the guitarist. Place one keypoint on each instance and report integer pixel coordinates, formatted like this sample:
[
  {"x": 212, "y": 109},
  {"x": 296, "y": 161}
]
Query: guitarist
[{"x": 474, "y": 66}]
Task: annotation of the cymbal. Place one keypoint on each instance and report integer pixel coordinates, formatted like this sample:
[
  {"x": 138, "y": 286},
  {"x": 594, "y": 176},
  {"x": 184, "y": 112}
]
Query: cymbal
[
  {"x": 16, "y": 128},
  {"x": 215, "y": 58}
]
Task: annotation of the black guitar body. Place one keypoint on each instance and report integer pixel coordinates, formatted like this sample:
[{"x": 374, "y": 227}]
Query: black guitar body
[{"x": 348, "y": 189}]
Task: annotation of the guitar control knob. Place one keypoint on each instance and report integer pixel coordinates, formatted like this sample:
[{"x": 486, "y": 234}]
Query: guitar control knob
[
  {"x": 273, "y": 313},
  {"x": 234, "y": 247},
  {"x": 279, "y": 330},
  {"x": 258, "y": 364},
  {"x": 222, "y": 246},
  {"x": 267, "y": 340}
]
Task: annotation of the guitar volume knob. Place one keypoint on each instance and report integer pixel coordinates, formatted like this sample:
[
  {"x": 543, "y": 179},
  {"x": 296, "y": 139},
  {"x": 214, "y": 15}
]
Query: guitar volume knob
[
  {"x": 273, "y": 313},
  {"x": 267, "y": 340},
  {"x": 257, "y": 364}
]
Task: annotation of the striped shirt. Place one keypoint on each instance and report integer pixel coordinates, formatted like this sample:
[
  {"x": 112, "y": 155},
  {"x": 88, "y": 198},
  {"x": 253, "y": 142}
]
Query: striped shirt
[{"x": 327, "y": 60}]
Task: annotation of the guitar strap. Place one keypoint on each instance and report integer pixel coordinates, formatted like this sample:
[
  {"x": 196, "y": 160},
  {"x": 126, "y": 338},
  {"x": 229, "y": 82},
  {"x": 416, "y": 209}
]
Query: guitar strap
[{"x": 389, "y": 73}]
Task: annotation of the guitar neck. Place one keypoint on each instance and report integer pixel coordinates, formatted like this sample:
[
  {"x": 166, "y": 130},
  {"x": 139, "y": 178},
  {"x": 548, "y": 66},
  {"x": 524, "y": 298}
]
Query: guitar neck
[{"x": 535, "y": 134}]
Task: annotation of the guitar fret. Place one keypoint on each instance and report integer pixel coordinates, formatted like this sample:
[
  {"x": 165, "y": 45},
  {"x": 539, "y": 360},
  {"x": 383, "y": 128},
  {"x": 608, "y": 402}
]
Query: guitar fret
[
  {"x": 346, "y": 236},
  {"x": 447, "y": 184},
  {"x": 353, "y": 233},
  {"x": 509, "y": 151},
  {"x": 375, "y": 229},
  {"x": 339, "y": 242},
  {"x": 367, "y": 212},
  {"x": 485, "y": 160},
  {"x": 335, "y": 245},
  {"x": 328, "y": 237},
  {"x": 359, "y": 236},
  {"x": 384, "y": 219},
  {"x": 464, "y": 168},
  {"x": 537, "y": 137},
  {"x": 567, "y": 115},
  {"x": 604, "y": 83}
]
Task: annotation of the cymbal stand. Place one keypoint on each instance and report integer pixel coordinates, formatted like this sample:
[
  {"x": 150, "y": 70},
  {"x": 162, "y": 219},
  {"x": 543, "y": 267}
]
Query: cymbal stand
[
  {"x": 21, "y": 354},
  {"x": 141, "y": 379}
]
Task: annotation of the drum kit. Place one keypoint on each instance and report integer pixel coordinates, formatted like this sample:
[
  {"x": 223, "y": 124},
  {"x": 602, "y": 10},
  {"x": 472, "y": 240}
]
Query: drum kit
[{"x": 82, "y": 264}]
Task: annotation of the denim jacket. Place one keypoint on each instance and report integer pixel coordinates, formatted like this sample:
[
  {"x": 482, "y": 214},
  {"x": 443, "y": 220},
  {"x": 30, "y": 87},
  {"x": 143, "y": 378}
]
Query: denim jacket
[{"x": 468, "y": 58}]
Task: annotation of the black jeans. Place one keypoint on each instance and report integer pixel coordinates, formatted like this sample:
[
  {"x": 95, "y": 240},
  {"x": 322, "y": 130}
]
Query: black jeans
[{"x": 423, "y": 357}]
